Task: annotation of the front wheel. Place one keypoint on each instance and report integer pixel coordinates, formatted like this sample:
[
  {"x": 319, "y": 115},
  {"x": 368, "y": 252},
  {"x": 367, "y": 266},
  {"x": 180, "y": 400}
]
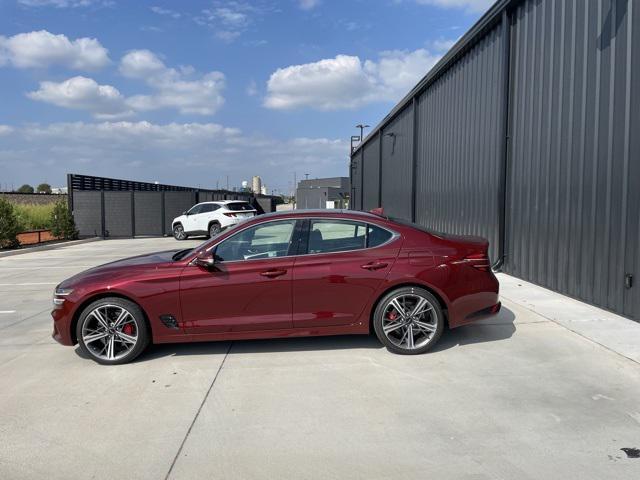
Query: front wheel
[
  {"x": 179, "y": 233},
  {"x": 112, "y": 331},
  {"x": 408, "y": 320},
  {"x": 214, "y": 229}
]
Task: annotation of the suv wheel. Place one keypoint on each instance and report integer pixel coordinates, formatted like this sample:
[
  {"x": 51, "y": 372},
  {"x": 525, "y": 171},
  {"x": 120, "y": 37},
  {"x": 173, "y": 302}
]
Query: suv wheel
[
  {"x": 214, "y": 229},
  {"x": 179, "y": 233}
]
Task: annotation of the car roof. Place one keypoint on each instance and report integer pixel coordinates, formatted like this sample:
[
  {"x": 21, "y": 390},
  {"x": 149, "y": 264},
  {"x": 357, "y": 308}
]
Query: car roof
[
  {"x": 333, "y": 212},
  {"x": 223, "y": 202}
]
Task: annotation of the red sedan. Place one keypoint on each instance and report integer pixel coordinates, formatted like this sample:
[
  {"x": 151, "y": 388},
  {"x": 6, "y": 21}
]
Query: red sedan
[{"x": 287, "y": 274}]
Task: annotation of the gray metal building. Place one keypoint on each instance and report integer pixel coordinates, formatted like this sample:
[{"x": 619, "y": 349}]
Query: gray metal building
[
  {"x": 527, "y": 132},
  {"x": 323, "y": 193}
]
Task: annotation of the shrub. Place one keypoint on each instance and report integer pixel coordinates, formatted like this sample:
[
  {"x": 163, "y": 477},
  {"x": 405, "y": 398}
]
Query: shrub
[
  {"x": 34, "y": 217},
  {"x": 62, "y": 224},
  {"x": 44, "y": 188},
  {"x": 9, "y": 225},
  {"x": 25, "y": 189}
]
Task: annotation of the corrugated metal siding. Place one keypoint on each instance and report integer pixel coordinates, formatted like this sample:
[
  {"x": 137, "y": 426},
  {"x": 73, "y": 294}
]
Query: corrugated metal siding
[
  {"x": 458, "y": 145},
  {"x": 570, "y": 186},
  {"x": 371, "y": 173},
  {"x": 397, "y": 164},
  {"x": 356, "y": 183}
]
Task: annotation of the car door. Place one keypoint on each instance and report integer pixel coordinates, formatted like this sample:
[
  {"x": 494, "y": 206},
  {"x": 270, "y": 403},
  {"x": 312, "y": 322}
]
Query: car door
[
  {"x": 343, "y": 266},
  {"x": 201, "y": 219},
  {"x": 191, "y": 218},
  {"x": 250, "y": 287}
]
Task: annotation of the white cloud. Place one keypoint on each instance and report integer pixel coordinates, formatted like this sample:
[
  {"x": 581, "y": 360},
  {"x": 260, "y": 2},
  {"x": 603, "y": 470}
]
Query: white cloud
[
  {"x": 147, "y": 151},
  {"x": 252, "y": 88},
  {"x": 166, "y": 12},
  {"x": 81, "y": 93},
  {"x": 346, "y": 82},
  {"x": 182, "y": 89},
  {"x": 308, "y": 4},
  {"x": 229, "y": 19},
  {"x": 469, "y": 5},
  {"x": 5, "y": 129},
  {"x": 42, "y": 49},
  {"x": 64, "y": 3}
]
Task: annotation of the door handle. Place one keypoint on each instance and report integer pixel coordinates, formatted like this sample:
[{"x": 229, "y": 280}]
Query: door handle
[
  {"x": 374, "y": 265},
  {"x": 273, "y": 273}
]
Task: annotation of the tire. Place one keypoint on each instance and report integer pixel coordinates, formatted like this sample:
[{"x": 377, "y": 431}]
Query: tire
[
  {"x": 179, "y": 233},
  {"x": 118, "y": 344},
  {"x": 214, "y": 229},
  {"x": 393, "y": 327}
]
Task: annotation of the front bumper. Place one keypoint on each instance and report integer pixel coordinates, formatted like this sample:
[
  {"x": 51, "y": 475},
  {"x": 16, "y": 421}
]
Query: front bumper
[{"x": 62, "y": 319}]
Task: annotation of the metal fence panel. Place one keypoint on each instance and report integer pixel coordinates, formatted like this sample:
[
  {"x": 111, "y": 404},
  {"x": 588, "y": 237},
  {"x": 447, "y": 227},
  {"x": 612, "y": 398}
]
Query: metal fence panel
[
  {"x": 174, "y": 204},
  {"x": 87, "y": 213},
  {"x": 397, "y": 165},
  {"x": 458, "y": 145},
  {"x": 148, "y": 213},
  {"x": 573, "y": 97},
  {"x": 117, "y": 214},
  {"x": 356, "y": 183}
]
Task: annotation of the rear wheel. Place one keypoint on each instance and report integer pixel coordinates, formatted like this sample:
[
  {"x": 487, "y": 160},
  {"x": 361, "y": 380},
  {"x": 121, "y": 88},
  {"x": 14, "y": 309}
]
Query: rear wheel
[
  {"x": 112, "y": 331},
  {"x": 179, "y": 233},
  {"x": 214, "y": 229},
  {"x": 408, "y": 320}
]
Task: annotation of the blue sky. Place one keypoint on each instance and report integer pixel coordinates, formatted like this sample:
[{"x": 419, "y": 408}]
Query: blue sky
[{"x": 191, "y": 92}]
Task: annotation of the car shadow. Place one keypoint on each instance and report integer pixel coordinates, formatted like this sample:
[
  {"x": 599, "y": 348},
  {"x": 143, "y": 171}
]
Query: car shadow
[
  {"x": 500, "y": 327},
  {"x": 494, "y": 329}
]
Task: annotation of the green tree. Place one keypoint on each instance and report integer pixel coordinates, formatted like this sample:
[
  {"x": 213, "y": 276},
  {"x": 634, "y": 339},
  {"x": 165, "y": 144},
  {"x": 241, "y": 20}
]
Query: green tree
[
  {"x": 9, "y": 225},
  {"x": 26, "y": 188},
  {"x": 62, "y": 224},
  {"x": 44, "y": 188}
]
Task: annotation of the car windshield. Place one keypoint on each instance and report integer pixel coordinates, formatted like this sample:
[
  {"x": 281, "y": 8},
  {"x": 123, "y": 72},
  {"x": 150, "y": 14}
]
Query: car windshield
[
  {"x": 181, "y": 254},
  {"x": 238, "y": 206}
]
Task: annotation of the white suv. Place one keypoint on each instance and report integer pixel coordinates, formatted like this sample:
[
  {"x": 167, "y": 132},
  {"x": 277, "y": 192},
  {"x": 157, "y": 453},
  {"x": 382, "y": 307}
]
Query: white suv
[{"x": 210, "y": 218}]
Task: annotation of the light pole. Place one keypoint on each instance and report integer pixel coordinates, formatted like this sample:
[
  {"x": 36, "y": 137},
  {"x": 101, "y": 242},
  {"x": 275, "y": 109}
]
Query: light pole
[{"x": 362, "y": 127}]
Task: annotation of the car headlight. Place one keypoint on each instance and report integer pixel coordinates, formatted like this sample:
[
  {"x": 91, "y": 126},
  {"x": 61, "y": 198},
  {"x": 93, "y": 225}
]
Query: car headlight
[{"x": 59, "y": 295}]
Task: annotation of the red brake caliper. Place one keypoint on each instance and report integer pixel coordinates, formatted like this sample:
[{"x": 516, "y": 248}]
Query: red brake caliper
[
  {"x": 127, "y": 329},
  {"x": 392, "y": 316}
]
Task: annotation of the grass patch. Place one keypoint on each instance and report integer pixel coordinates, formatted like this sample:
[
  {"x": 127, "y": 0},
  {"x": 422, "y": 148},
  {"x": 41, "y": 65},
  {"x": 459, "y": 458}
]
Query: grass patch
[{"x": 34, "y": 217}]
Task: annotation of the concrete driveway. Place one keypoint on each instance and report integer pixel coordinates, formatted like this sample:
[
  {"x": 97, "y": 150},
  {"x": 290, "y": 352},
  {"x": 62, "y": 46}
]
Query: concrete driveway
[{"x": 518, "y": 396}]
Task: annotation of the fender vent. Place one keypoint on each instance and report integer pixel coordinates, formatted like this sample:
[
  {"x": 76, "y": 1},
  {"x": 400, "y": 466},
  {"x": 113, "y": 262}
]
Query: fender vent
[{"x": 169, "y": 321}]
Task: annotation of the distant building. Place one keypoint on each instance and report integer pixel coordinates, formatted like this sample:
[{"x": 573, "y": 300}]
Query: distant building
[
  {"x": 323, "y": 193},
  {"x": 256, "y": 184},
  {"x": 263, "y": 190}
]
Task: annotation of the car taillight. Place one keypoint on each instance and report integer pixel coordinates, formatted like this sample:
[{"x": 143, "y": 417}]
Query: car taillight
[
  {"x": 230, "y": 214},
  {"x": 479, "y": 261}
]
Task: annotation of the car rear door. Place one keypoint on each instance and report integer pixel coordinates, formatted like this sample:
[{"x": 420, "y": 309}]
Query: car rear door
[
  {"x": 250, "y": 287},
  {"x": 342, "y": 265}
]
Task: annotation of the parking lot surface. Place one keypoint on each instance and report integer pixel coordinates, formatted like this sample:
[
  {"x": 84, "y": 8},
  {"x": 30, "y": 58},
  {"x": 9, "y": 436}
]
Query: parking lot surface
[{"x": 517, "y": 396}]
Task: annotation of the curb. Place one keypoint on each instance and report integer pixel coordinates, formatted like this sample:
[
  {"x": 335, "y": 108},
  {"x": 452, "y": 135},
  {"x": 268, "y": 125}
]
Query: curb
[{"x": 53, "y": 246}]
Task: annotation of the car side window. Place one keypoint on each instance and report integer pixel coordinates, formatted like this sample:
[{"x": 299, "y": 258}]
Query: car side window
[
  {"x": 377, "y": 236},
  {"x": 268, "y": 240},
  {"x": 207, "y": 207},
  {"x": 195, "y": 210},
  {"x": 326, "y": 236}
]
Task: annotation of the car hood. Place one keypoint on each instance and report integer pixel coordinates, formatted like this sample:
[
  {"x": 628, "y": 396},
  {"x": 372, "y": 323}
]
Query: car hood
[{"x": 121, "y": 267}]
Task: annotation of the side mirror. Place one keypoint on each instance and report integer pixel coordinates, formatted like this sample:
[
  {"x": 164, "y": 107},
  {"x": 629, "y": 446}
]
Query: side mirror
[{"x": 206, "y": 260}]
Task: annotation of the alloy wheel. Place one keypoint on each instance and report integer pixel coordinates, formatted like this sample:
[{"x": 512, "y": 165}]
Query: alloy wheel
[
  {"x": 409, "y": 321},
  {"x": 110, "y": 332},
  {"x": 178, "y": 232}
]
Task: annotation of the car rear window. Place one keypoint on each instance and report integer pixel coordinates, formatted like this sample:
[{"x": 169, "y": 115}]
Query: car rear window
[{"x": 238, "y": 206}]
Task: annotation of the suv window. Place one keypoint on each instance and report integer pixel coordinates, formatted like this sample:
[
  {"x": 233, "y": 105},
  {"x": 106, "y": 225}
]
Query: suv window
[
  {"x": 238, "y": 206},
  {"x": 268, "y": 240},
  {"x": 207, "y": 207},
  {"x": 195, "y": 210}
]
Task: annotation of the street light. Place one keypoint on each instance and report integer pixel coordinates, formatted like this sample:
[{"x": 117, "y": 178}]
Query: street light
[{"x": 362, "y": 127}]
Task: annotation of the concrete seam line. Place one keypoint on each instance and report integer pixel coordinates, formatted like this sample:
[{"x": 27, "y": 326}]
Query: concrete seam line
[
  {"x": 24, "y": 319},
  {"x": 204, "y": 400},
  {"x": 573, "y": 331}
]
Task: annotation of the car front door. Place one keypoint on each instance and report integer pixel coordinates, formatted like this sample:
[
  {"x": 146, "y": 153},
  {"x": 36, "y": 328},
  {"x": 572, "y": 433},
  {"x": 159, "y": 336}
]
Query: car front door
[
  {"x": 248, "y": 288},
  {"x": 343, "y": 266},
  {"x": 191, "y": 218}
]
